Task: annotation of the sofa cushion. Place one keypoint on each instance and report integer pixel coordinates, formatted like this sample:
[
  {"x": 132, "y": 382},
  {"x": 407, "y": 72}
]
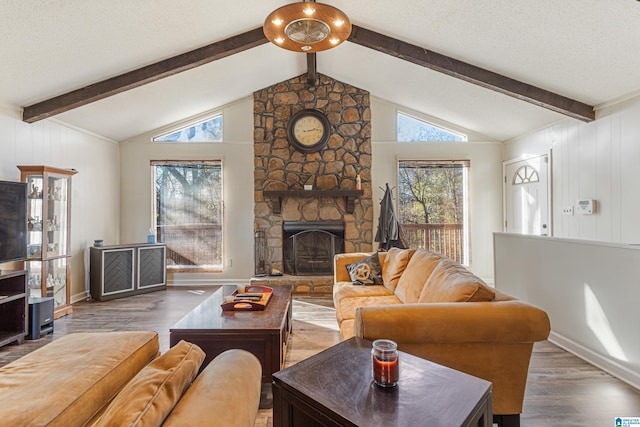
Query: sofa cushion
[
  {"x": 393, "y": 265},
  {"x": 348, "y": 290},
  {"x": 225, "y": 394},
  {"x": 346, "y": 308},
  {"x": 366, "y": 271},
  {"x": 151, "y": 395},
  {"x": 71, "y": 379},
  {"x": 452, "y": 282},
  {"x": 415, "y": 274}
]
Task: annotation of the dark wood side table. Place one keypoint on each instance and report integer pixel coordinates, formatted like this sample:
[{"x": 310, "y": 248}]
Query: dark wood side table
[
  {"x": 263, "y": 333},
  {"x": 335, "y": 388}
]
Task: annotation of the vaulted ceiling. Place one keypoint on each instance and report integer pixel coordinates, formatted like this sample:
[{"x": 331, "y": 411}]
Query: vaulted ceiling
[{"x": 584, "y": 51}]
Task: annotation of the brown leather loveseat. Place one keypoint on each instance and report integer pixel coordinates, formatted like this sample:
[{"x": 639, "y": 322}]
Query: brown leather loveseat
[
  {"x": 436, "y": 309},
  {"x": 120, "y": 379}
]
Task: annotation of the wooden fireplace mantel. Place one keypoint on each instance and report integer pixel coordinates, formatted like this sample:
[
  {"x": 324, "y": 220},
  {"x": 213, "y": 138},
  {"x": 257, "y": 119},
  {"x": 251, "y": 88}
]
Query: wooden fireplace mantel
[{"x": 276, "y": 196}]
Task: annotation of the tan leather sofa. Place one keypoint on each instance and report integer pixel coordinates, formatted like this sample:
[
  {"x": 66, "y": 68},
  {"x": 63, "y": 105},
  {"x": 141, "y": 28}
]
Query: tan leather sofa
[
  {"x": 436, "y": 309},
  {"x": 119, "y": 379}
]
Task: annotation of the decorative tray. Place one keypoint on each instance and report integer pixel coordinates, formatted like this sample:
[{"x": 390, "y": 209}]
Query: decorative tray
[{"x": 254, "y": 298}]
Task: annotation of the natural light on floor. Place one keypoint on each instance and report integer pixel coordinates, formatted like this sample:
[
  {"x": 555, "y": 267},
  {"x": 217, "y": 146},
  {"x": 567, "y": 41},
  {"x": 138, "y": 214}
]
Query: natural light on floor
[{"x": 599, "y": 325}]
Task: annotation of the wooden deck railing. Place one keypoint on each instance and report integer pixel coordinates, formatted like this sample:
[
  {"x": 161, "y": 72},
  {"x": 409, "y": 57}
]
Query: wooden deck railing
[{"x": 445, "y": 239}]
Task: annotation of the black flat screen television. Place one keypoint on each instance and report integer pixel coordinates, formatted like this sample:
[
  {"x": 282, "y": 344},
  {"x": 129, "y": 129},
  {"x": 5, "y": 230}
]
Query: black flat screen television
[{"x": 13, "y": 221}]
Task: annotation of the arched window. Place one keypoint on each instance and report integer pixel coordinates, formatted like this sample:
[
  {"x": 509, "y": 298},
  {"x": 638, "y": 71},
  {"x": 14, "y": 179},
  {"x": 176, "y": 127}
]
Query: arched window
[{"x": 525, "y": 175}]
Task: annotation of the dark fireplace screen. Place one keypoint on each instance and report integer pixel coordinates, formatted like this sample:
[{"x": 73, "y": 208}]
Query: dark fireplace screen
[{"x": 308, "y": 247}]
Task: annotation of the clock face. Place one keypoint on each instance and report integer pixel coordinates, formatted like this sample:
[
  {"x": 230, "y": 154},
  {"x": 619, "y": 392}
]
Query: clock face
[{"x": 308, "y": 130}]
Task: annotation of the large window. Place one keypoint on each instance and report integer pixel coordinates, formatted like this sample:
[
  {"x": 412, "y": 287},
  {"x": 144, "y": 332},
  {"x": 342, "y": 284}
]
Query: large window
[
  {"x": 432, "y": 206},
  {"x": 188, "y": 213}
]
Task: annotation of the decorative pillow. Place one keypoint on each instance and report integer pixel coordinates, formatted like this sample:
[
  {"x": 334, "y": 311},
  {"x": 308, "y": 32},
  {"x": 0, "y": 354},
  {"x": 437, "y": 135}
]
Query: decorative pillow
[
  {"x": 415, "y": 274},
  {"x": 452, "y": 282},
  {"x": 394, "y": 264},
  {"x": 150, "y": 396},
  {"x": 366, "y": 271}
]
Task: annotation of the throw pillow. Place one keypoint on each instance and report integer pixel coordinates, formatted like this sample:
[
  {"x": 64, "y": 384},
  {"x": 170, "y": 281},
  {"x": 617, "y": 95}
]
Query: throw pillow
[
  {"x": 395, "y": 262},
  {"x": 150, "y": 396},
  {"x": 415, "y": 274},
  {"x": 452, "y": 282},
  {"x": 366, "y": 271}
]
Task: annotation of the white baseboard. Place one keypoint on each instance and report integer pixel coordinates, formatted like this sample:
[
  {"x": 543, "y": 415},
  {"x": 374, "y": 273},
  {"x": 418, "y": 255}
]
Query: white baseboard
[{"x": 608, "y": 365}]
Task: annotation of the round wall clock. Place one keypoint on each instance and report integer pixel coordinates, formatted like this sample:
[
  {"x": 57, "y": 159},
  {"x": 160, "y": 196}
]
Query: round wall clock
[{"x": 308, "y": 130}]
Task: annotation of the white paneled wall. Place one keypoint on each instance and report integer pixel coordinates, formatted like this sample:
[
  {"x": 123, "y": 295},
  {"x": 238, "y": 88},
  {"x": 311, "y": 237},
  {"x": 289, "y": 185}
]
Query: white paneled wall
[
  {"x": 96, "y": 195},
  {"x": 589, "y": 290},
  {"x": 598, "y": 160}
]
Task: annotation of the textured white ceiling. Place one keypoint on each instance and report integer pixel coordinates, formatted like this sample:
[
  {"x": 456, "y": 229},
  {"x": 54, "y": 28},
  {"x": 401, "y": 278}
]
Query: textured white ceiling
[{"x": 582, "y": 49}]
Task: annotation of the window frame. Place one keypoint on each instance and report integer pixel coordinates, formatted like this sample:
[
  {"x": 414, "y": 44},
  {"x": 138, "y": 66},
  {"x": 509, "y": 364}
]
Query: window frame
[
  {"x": 208, "y": 268},
  {"x": 465, "y": 164}
]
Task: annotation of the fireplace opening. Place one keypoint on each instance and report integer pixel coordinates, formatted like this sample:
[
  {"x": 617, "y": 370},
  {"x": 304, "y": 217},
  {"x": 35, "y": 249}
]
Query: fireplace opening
[{"x": 309, "y": 247}]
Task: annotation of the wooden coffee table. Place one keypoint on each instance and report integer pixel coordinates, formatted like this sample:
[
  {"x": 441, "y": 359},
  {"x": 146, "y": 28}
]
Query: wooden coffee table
[
  {"x": 263, "y": 333},
  {"x": 335, "y": 388}
]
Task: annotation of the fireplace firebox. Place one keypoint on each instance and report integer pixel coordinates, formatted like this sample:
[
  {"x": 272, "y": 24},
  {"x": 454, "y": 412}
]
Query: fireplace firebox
[{"x": 308, "y": 248}]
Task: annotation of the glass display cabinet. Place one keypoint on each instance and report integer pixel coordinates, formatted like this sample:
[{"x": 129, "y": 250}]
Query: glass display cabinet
[{"x": 48, "y": 226}]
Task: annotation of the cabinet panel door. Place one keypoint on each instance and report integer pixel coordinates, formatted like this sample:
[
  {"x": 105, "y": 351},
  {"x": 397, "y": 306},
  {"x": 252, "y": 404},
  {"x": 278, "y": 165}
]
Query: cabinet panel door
[
  {"x": 117, "y": 271},
  {"x": 151, "y": 267}
]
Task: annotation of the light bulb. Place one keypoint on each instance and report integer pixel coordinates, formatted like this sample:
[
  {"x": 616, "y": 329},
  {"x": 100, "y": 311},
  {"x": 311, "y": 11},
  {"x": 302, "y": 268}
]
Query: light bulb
[
  {"x": 309, "y": 11},
  {"x": 279, "y": 40},
  {"x": 277, "y": 21},
  {"x": 338, "y": 22}
]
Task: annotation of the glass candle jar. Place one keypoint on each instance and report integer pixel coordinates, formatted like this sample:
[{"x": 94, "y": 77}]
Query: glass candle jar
[{"x": 384, "y": 363}]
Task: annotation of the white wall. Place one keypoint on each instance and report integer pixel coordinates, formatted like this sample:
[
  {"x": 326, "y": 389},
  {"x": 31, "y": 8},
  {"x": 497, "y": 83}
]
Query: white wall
[
  {"x": 589, "y": 290},
  {"x": 95, "y": 210},
  {"x": 597, "y": 160}
]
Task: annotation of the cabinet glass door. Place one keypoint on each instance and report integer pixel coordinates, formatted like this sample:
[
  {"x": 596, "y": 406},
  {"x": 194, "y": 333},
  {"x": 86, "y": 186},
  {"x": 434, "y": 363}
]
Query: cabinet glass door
[
  {"x": 53, "y": 278},
  {"x": 34, "y": 217},
  {"x": 34, "y": 278},
  {"x": 57, "y": 280},
  {"x": 56, "y": 217}
]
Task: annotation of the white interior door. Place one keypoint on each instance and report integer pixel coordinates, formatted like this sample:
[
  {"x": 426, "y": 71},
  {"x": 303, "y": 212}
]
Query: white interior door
[{"x": 526, "y": 194}]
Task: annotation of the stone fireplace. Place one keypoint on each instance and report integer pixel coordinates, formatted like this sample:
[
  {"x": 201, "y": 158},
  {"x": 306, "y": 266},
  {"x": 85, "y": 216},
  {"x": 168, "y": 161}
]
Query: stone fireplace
[{"x": 281, "y": 172}]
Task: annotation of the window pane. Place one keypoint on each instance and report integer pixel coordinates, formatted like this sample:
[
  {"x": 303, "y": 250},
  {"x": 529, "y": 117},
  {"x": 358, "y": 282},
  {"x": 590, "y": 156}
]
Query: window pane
[
  {"x": 431, "y": 206},
  {"x": 188, "y": 198},
  {"x": 207, "y": 131},
  {"x": 413, "y": 130}
]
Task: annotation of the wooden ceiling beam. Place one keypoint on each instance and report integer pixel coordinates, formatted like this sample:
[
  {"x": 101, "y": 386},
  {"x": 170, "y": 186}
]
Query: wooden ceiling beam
[
  {"x": 144, "y": 75},
  {"x": 359, "y": 35},
  {"x": 312, "y": 73},
  {"x": 472, "y": 74}
]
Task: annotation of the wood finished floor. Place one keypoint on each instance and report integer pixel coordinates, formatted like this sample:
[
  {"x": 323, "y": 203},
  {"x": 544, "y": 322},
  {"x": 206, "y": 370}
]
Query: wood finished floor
[{"x": 562, "y": 390}]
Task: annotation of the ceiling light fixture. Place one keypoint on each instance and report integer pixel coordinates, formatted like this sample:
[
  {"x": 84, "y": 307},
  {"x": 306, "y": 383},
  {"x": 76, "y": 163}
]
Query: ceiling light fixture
[{"x": 307, "y": 27}]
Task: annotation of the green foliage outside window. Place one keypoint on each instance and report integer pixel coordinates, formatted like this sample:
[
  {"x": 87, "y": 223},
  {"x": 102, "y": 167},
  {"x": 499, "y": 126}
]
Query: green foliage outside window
[{"x": 430, "y": 193}]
